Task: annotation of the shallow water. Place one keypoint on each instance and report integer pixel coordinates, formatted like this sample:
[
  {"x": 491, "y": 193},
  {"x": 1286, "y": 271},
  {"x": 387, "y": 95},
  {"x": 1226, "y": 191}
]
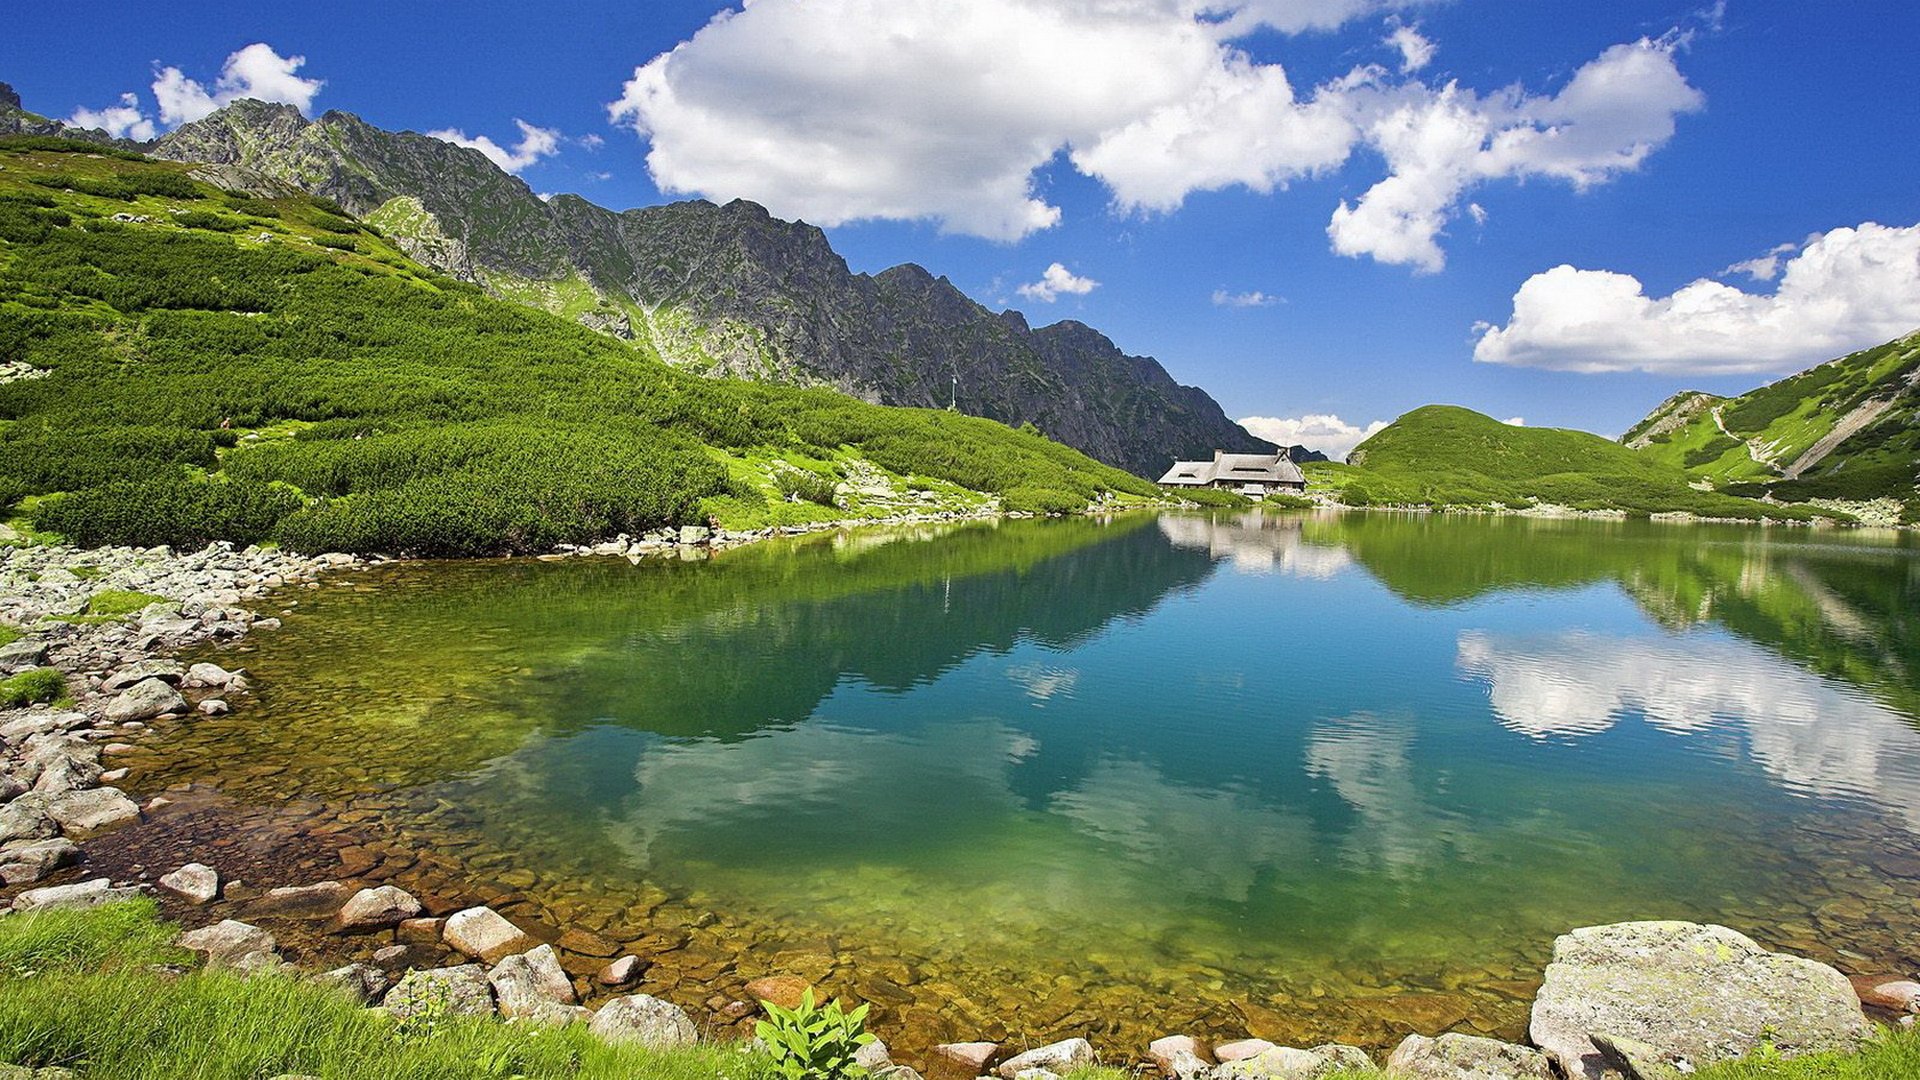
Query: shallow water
[{"x": 1309, "y": 776}]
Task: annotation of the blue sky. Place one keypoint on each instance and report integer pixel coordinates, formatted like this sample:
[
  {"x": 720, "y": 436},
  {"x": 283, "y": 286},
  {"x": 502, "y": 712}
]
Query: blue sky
[{"x": 1183, "y": 159}]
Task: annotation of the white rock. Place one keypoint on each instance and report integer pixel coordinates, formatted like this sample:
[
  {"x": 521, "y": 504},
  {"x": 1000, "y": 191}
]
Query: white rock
[
  {"x": 524, "y": 983},
  {"x": 1057, "y": 1057},
  {"x": 80, "y": 812},
  {"x": 377, "y": 909},
  {"x": 234, "y": 944},
  {"x": 196, "y": 883},
  {"x": 145, "y": 700},
  {"x": 485, "y": 933},
  {"x": 83, "y": 894},
  {"x": 646, "y": 1020}
]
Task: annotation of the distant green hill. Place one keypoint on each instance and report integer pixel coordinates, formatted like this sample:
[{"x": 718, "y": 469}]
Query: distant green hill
[
  {"x": 1847, "y": 429},
  {"x": 1443, "y": 455},
  {"x": 180, "y": 363}
]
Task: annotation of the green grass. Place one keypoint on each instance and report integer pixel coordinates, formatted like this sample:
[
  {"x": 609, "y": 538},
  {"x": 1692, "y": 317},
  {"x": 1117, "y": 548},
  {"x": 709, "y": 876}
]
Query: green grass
[
  {"x": 9, "y": 634},
  {"x": 1444, "y": 456},
  {"x": 117, "y": 603},
  {"x": 32, "y": 686},
  {"x": 425, "y": 417}
]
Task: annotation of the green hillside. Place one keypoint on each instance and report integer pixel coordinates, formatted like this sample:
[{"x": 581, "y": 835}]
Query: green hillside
[
  {"x": 1443, "y": 455},
  {"x": 1847, "y": 429},
  {"x": 180, "y": 364}
]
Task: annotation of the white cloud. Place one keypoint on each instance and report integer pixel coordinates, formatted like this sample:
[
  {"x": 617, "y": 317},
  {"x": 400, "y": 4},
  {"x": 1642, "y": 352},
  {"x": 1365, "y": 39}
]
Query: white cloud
[
  {"x": 1416, "y": 51},
  {"x": 122, "y": 121},
  {"x": 1762, "y": 267},
  {"x": 1477, "y": 212},
  {"x": 1845, "y": 290},
  {"x": 591, "y": 141},
  {"x": 1250, "y": 298},
  {"x": 1324, "y": 432},
  {"x": 1057, "y": 281},
  {"x": 841, "y": 110},
  {"x": 1515, "y": 421},
  {"x": 256, "y": 71},
  {"x": 535, "y": 143}
]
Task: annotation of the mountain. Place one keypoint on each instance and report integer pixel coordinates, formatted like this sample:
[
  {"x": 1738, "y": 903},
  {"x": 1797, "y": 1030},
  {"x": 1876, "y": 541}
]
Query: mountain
[
  {"x": 1848, "y": 429},
  {"x": 724, "y": 289},
  {"x": 1443, "y": 455},
  {"x": 181, "y": 363}
]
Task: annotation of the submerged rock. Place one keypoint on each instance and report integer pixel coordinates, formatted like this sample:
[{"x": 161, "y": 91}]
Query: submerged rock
[
  {"x": 643, "y": 1019},
  {"x": 785, "y": 991},
  {"x": 1696, "y": 994},
  {"x": 316, "y": 901},
  {"x": 1466, "y": 1057},
  {"x": 459, "y": 991},
  {"x": 968, "y": 1055}
]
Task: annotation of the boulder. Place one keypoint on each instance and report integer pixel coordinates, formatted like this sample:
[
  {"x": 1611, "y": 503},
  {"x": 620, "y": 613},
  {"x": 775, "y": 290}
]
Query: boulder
[
  {"x": 80, "y": 894},
  {"x": 1180, "y": 1056},
  {"x": 208, "y": 675},
  {"x": 782, "y": 990},
  {"x": 72, "y": 767},
  {"x": 643, "y": 1019},
  {"x": 26, "y": 818},
  {"x": 1884, "y": 992},
  {"x": 363, "y": 982},
  {"x": 319, "y": 900},
  {"x": 1059, "y": 1057},
  {"x": 145, "y": 700},
  {"x": 81, "y": 812},
  {"x": 874, "y": 1056},
  {"x": 196, "y": 883},
  {"x": 968, "y": 1055},
  {"x": 1466, "y": 1057},
  {"x": 1241, "y": 1049},
  {"x": 622, "y": 972},
  {"x": 485, "y": 933},
  {"x": 1635, "y": 1060},
  {"x": 27, "y": 862},
  {"x": 232, "y": 944},
  {"x": 458, "y": 991},
  {"x": 523, "y": 983},
  {"x": 141, "y": 670},
  {"x": 420, "y": 931},
  {"x": 380, "y": 908},
  {"x": 21, "y": 655},
  {"x": 1289, "y": 1063},
  {"x": 1696, "y": 994}
]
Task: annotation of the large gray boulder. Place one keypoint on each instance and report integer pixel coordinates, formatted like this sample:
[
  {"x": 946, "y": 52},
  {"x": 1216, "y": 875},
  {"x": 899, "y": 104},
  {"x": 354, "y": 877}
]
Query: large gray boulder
[
  {"x": 1290, "y": 1063},
  {"x": 26, "y": 818},
  {"x": 646, "y": 1020},
  {"x": 29, "y": 861},
  {"x": 1466, "y": 1057},
  {"x": 527, "y": 984},
  {"x": 460, "y": 991},
  {"x": 145, "y": 700},
  {"x": 21, "y": 655},
  {"x": 1057, "y": 1058},
  {"x": 485, "y": 933},
  {"x": 1695, "y": 994},
  {"x": 84, "y": 812},
  {"x": 379, "y": 908},
  {"x": 231, "y": 943},
  {"x": 80, "y": 894}
]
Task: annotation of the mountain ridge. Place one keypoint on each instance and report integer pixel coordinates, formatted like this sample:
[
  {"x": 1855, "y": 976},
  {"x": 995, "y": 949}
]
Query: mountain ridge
[{"x": 726, "y": 289}]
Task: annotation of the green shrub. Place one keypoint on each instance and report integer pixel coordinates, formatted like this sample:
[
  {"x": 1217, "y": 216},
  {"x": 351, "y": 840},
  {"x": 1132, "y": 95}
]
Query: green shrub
[
  {"x": 338, "y": 243},
  {"x": 114, "y": 603},
  {"x": 809, "y": 1043},
  {"x": 179, "y": 511},
  {"x": 1713, "y": 450},
  {"x": 1032, "y": 499},
  {"x": 1284, "y": 501},
  {"x": 202, "y": 219},
  {"x": 20, "y": 144},
  {"x": 804, "y": 485},
  {"x": 32, "y": 686}
]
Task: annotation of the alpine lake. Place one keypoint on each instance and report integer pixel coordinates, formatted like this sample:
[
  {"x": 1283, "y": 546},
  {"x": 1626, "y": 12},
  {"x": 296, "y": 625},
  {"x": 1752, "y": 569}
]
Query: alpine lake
[{"x": 1311, "y": 776}]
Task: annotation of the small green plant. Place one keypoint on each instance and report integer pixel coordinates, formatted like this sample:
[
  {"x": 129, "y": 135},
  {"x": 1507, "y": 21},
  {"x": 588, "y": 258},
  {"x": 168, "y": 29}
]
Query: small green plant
[
  {"x": 32, "y": 686},
  {"x": 809, "y": 1043}
]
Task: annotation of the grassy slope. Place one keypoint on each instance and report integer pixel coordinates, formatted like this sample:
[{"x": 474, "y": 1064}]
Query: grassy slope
[
  {"x": 379, "y": 406},
  {"x": 1442, "y": 455},
  {"x": 90, "y": 990},
  {"x": 1785, "y": 418}
]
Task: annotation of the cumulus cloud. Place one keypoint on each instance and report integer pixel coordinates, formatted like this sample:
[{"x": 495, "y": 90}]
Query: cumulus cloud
[
  {"x": 1843, "y": 290},
  {"x": 839, "y": 110},
  {"x": 1250, "y": 298},
  {"x": 1324, "y": 432},
  {"x": 256, "y": 71},
  {"x": 123, "y": 121},
  {"x": 1515, "y": 421},
  {"x": 535, "y": 143},
  {"x": 1416, "y": 51},
  {"x": 1055, "y": 282}
]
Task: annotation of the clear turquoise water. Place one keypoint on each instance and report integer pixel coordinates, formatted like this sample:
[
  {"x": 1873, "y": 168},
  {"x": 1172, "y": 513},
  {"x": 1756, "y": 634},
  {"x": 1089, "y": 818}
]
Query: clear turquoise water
[{"x": 1318, "y": 776}]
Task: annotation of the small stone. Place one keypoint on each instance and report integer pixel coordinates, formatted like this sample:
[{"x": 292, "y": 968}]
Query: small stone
[
  {"x": 213, "y": 707},
  {"x": 587, "y": 944},
  {"x": 391, "y": 955},
  {"x": 524, "y": 982},
  {"x": 1241, "y": 1049},
  {"x": 485, "y": 933},
  {"x": 785, "y": 991},
  {"x": 646, "y": 1020},
  {"x": 144, "y": 701},
  {"x": 377, "y": 908},
  {"x": 1894, "y": 995},
  {"x": 459, "y": 991},
  {"x": 873, "y": 1057},
  {"x": 622, "y": 972},
  {"x": 1179, "y": 1056},
  {"x": 95, "y": 810},
  {"x": 420, "y": 931},
  {"x": 1057, "y": 1057},
  {"x": 968, "y": 1055},
  {"x": 1455, "y": 1056},
  {"x": 233, "y": 944},
  {"x": 26, "y": 863},
  {"x": 197, "y": 883},
  {"x": 208, "y": 675},
  {"x": 363, "y": 981},
  {"x": 81, "y": 894}
]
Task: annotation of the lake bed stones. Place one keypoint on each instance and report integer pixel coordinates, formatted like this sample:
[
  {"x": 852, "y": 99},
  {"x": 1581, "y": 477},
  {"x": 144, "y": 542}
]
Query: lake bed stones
[{"x": 1696, "y": 994}]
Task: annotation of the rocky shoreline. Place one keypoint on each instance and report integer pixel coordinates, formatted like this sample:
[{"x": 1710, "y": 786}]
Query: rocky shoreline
[{"x": 1640, "y": 1000}]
